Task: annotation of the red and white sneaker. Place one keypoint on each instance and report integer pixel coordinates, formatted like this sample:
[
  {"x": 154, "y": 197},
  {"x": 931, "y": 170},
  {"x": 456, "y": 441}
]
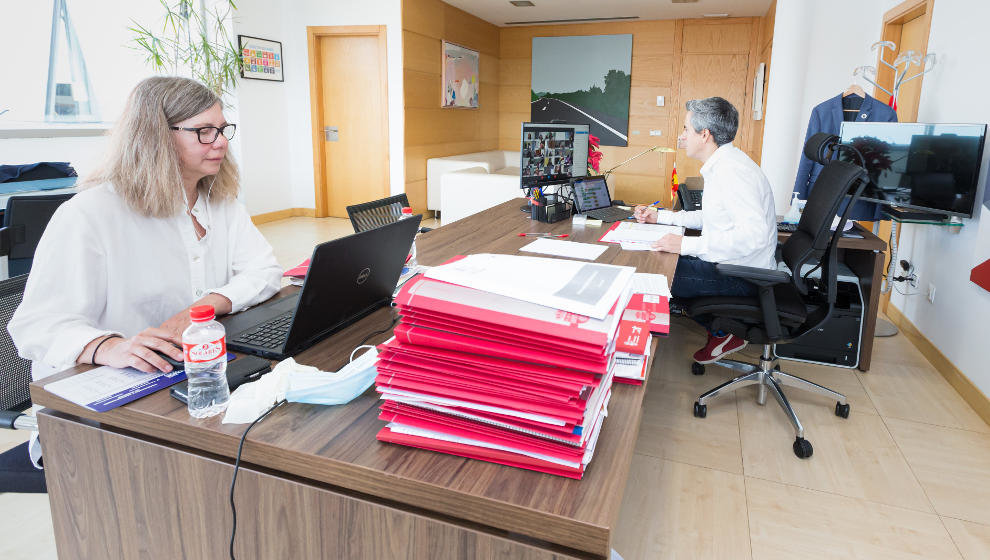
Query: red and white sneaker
[{"x": 718, "y": 347}]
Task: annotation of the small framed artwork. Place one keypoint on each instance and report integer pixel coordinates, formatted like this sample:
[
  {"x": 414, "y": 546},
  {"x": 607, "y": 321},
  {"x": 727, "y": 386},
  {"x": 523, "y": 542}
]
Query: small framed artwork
[
  {"x": 459, "y": 81},
  {"x": 261, "y": 58}
]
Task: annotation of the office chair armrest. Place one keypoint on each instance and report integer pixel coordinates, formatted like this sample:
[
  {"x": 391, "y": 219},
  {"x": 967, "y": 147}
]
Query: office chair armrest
[
  {"x": 756, "y": 275},
  {"x": 14, "y": 420}
]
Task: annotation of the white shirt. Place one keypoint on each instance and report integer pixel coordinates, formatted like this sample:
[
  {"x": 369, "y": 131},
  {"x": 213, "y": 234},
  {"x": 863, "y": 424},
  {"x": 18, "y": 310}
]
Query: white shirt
[
  {"x": 738, "y": 220},
  {"x": 102, "y": 268}
]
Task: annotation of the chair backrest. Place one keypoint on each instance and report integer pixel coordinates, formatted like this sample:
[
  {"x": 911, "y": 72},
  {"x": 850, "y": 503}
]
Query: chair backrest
[
  {"x": 377, "y": 213},
  {"x": 15, "y": 371},
  {"x": 24, "y": 221},
  {"x": 815, "y": 243}
]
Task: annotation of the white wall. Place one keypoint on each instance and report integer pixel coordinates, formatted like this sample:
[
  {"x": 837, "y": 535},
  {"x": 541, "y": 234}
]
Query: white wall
[
  {"x": 816, "y": 47},
  {"x": 277, "y": 164},
  {"x": 956, "y": 322}
]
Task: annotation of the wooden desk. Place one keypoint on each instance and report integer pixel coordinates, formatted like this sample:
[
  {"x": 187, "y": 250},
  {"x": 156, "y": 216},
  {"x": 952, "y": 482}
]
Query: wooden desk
[
  {"x": 864, "y": 256},
  {"x": 147, "y": 480}
]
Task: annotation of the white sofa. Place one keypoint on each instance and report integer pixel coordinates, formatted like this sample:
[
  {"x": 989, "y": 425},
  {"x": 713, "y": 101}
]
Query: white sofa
[{"x": 462, "y": 185}]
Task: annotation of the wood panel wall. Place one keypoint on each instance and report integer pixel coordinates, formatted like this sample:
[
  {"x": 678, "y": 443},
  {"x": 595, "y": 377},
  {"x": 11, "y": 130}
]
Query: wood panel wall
[
  {"x": 679, "y": 59},
  {"x": 429, "y": 130}
]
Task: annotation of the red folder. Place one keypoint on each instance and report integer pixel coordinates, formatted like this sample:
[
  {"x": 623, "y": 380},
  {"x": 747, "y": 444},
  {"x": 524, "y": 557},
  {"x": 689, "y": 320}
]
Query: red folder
[
  {"x": 480, "y": 453},
  {"x": 298, "y": 271}
]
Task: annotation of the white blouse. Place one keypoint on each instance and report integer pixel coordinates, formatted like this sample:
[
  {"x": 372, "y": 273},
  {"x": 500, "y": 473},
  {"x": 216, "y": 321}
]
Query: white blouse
[{"x": 102, "y": 268}]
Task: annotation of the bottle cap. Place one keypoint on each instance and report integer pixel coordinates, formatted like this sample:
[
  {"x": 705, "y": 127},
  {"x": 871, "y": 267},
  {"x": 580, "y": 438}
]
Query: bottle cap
[
  {"x": 406, "y": 210},
  {"x": 201, "y": 313}
]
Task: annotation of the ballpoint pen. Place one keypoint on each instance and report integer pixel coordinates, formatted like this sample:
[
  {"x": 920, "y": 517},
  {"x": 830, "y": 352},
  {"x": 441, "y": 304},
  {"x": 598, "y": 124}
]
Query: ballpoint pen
[{"x": 544, "y": 234}]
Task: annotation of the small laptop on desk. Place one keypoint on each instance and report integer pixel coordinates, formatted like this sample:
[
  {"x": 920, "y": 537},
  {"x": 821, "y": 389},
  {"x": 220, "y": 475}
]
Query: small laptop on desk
[
  {"x": 591, "y": 197},
  {"x": 348, "y": 278}
]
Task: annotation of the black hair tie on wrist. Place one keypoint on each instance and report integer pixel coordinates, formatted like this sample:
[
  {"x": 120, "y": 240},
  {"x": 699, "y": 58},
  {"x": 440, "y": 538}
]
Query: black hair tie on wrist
[{"x": 92, "y": 360}]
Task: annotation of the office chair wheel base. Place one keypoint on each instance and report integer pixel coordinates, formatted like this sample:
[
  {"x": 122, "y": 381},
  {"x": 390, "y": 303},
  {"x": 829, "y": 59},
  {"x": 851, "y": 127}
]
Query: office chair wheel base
[
  {"x": 700, "y": 410},
  {"x": 802, "y": 448},
  {"x": 698, "y": 369},
  {"x": 842, "y": 410}
]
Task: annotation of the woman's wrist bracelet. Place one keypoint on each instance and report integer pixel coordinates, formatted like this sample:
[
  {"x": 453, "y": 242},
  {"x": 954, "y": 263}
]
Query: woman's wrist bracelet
[{"x": 92, "y": 359}]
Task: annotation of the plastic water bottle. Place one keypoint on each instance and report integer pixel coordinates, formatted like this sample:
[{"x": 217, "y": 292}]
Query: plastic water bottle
[
  {"x": 204, "y": 344},
  {"x": 411, "y": 261}
]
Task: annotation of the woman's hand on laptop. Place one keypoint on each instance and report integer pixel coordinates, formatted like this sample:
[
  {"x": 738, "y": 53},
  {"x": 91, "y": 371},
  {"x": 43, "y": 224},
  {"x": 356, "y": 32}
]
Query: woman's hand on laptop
[
  {"x": 178, "y": 323},
  {"x": 645, "y": 214},
  {"x": 138, "y": 351}
]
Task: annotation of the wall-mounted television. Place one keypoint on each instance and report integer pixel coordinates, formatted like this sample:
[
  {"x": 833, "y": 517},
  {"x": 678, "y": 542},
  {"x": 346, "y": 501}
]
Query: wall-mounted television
[
  {"x": 553, "y": 154},
  {"x": 919, "y": 166}
]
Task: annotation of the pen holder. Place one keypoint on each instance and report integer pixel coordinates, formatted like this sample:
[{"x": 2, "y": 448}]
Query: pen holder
[{"x": 550, "y": 209}]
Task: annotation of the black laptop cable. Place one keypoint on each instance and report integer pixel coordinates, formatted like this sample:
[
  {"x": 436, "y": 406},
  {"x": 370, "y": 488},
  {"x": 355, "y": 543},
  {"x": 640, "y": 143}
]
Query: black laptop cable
[
  {"x": 237, "y": 466},
  {"x": 385, "y": 330}
]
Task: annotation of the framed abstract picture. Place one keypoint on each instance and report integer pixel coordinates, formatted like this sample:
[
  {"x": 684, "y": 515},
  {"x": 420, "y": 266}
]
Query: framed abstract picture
[
  {"x": 262, "y": 59},
  {"x": 459, "y": 80}
]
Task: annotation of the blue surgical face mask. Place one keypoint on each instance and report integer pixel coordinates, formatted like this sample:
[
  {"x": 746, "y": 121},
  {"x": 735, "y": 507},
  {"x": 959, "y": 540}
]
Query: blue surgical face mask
[{"x": 334, "y": 388}]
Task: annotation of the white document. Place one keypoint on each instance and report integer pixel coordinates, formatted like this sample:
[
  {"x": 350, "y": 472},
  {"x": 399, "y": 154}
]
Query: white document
[
  {"x": 569, "y": 249},
  {"x": 656, "y": 284},
  {"x": 641, "y": 233},
  {"x": 105, "y": 388},
  {"x": 635, "y": 246},
  {"x": 584, "y": 288}
]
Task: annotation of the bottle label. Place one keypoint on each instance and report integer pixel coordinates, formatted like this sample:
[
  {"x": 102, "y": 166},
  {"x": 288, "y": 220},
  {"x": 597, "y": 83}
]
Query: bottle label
[{"x": 205, "y": 352}]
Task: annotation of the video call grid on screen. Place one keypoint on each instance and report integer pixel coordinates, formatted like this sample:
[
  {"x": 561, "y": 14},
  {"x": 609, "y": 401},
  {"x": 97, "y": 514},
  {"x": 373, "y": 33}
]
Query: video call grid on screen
[
  {"x": 553, "y": 153},
  {"x": 591, "y": 194}
]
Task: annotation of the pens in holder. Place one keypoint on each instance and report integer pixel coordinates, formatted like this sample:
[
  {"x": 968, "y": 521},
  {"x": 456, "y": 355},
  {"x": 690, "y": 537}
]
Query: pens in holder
[{"x": 544, "y": 235}]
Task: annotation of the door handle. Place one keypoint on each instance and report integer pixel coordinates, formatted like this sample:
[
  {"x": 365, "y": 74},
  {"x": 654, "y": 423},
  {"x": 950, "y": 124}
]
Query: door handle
[{"x": 331, "y": 133}]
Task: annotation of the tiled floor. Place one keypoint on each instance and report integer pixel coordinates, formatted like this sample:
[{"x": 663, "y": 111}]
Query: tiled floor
[{"x": 907, "y": 475}]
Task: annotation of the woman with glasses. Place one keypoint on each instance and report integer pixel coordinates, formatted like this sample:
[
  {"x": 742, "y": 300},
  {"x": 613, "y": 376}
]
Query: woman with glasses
[{"x": 155, "y": 230}]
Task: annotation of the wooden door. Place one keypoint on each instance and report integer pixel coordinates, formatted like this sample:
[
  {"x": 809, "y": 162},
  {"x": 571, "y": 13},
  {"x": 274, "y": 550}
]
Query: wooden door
[
  {"x": 350, "y": 117},
  {"x": 914, "y": 37}
]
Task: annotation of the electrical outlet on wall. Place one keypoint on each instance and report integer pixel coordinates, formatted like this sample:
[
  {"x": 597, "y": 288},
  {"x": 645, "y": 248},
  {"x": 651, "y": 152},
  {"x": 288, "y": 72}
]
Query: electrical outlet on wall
[{"x": 931, "y": 293}]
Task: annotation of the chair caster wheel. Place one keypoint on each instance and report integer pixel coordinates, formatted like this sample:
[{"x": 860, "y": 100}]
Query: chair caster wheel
[
  {"x": 802, "y": 448},
  {"x": 698, "y": 369},
  {"x": 842, "y": 410},
  {"x": 700, "y": 410}
]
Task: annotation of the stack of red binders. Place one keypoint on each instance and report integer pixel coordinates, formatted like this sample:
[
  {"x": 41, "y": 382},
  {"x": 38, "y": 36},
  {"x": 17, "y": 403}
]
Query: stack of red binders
[{"x": 490, "y": 377}]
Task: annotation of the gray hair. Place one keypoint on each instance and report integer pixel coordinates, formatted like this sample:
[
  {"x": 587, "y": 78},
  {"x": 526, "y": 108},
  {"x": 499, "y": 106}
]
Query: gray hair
[{"x": 715, "y": 114}]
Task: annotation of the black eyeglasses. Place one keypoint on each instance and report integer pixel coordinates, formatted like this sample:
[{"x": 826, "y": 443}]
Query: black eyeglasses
[{"x": 209, "y": 134}]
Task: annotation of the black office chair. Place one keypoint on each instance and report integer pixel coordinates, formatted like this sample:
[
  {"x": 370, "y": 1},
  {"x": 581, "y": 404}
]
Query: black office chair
[
  {"x": 17, "y": 474},
  {"x": 378, "y": 213},
  {"x": 789, "y": 304},
  {"x": 24, "y": 220}
]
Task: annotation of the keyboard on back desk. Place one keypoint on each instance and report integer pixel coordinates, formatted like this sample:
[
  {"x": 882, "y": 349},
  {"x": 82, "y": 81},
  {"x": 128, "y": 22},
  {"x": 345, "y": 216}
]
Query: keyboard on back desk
[
  {"x": 269, "y": 334},
  {"x": 609, "y": 214}
]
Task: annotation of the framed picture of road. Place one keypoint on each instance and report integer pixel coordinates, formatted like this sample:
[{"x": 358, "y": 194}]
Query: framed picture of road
[{"x": 583, "y": 79}]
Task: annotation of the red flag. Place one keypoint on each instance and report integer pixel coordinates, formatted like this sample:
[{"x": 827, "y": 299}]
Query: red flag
[{"x": 673, "y": 182}]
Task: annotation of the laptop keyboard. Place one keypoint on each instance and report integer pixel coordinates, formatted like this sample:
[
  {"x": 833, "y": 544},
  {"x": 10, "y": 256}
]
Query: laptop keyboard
[
  {"x": 610, "y": 214},
  {"x": 270, "y": 334}
]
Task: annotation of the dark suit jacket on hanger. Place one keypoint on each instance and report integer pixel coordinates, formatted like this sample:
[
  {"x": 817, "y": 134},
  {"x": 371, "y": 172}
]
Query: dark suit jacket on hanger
[{"x": 827, "y": 117}]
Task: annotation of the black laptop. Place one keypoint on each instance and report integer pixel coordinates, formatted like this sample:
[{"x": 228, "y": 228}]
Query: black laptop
[
  {"x": 348, "y": 278},
  {"x": 591, "y": 197}
]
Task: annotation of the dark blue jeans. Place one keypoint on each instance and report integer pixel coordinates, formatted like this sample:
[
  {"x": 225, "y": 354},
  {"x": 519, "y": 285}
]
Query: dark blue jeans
[{"x": 696, "y": 278}]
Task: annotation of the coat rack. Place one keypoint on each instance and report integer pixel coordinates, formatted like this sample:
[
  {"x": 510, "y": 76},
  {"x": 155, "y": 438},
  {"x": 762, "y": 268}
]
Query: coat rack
[{"x": 901, "y": 65}]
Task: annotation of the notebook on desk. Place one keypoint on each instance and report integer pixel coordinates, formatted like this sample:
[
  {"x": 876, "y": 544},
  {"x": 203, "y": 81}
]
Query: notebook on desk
[{"x": 348, "y": 278}]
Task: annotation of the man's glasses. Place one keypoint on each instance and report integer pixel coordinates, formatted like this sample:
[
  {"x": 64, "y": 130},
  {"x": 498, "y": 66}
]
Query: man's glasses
[{"x": 209, "y": 134}]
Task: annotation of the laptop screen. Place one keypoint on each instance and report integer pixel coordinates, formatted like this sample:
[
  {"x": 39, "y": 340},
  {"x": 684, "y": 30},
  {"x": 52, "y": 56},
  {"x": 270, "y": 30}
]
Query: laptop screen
[{"x": 591, "y": 194}]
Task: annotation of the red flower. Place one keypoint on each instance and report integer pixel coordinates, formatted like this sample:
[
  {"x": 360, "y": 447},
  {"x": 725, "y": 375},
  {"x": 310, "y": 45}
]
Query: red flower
[
  {"x": 594, "y": 140},
  {"x": 593, "y": 159}
]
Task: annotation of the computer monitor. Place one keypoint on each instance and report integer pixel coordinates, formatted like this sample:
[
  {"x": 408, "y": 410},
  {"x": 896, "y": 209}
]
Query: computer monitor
[
  {"x": 553, "y": 154},
  {"x": 919, "y": 166}
]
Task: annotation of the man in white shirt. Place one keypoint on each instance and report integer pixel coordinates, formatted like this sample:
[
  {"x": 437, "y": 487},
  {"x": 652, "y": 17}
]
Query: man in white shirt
[{"x": 737, "y": 220}]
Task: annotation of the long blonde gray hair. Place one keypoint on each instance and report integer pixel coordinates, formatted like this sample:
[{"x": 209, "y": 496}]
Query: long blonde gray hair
[{"x": 143, "y": 164}]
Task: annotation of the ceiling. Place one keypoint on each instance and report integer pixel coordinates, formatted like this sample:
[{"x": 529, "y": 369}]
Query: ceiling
[{"x": 501, "y": 12}]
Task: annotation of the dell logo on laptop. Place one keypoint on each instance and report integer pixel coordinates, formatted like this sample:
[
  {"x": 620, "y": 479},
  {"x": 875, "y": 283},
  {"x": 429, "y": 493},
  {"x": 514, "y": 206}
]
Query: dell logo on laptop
[{"x": 363, "y": 275}]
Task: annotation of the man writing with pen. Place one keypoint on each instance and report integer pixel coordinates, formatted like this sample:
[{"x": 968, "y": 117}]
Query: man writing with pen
[{"x": 737, "y": 220}]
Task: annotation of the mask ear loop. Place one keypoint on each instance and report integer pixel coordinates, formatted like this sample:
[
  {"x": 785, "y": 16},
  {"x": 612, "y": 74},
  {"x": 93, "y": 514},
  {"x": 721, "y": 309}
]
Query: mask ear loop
[{"x": 358, "y": 348}]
